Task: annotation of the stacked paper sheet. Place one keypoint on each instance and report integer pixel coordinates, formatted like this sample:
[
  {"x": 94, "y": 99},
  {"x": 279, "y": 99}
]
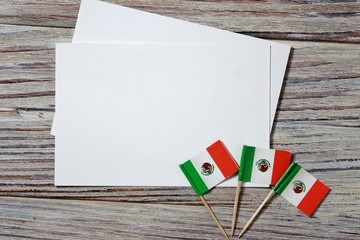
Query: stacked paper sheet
[{"x": 138, "y": 93}]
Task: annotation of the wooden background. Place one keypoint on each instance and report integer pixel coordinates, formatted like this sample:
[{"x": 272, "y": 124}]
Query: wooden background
[{"x": 318, "y": 119}]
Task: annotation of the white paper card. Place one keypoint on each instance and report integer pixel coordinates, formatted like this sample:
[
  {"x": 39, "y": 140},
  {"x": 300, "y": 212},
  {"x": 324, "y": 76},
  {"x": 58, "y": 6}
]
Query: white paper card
[
  {"x": 130, "y": 113},
  {"x": 101, "y": 22}
]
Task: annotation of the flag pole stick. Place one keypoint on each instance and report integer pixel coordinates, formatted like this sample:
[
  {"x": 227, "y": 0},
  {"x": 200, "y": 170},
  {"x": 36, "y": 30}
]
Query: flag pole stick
[
  {"x": 236, "y": 204},
  {"x": 269, "y": 196},
  {"x": 214, "y": 217}
]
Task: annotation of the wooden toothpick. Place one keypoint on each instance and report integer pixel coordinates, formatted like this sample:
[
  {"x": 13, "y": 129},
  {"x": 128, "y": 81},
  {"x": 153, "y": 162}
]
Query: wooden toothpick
[
  {"x": 236, "y": 204},
  {"x": 269, "y": 196},
  {"x": 214, "y": 217}
]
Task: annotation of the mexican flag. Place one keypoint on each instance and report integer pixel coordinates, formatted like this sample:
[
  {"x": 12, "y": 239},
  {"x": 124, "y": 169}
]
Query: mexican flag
[
  {"x": 209, "y": 168},
  {"x": 262, "y": 165},
  {"x": 301, "y": 189}
]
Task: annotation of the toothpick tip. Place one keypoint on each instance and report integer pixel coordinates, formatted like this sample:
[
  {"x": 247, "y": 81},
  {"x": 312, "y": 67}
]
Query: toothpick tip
[
  {"x": 232, "y": 231},
  {"x": 242, "y": 232}
]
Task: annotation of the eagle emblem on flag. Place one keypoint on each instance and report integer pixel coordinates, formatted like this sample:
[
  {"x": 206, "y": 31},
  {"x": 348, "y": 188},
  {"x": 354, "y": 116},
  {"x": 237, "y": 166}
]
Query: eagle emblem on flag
[
  {"x": 299, "y": 186},
  {"x": 263, "y": 165},
  {"x": 207, "y": 169}
]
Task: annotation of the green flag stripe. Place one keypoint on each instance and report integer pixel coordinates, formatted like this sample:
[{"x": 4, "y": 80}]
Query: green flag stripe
[
  {"x": 287, "y": 177},
  {"x": 194, "y": 178},
  {"x": 246, "y": 163}
]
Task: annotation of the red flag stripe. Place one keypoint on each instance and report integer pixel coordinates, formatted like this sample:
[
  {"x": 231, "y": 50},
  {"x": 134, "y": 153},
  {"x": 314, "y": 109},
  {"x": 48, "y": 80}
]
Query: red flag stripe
[
  {"x": 281, "y": 163},
  {"x": 223, "y": 159},
  {"x": 313, "y": 198}
]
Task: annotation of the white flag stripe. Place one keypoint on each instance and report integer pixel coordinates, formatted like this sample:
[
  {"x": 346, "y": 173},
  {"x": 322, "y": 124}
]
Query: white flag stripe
[
  {"x": 257, "y": 175},
  {"x": 213, "y": 179},
  {"x": 295, "y": 198}
]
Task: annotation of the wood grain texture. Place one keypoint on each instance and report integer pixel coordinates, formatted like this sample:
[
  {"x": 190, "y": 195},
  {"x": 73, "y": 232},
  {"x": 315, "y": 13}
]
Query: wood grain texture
[
  {"x": 63, "y": 219},
  {"x": 292, "y": 20},
  {"x": 318, "y": 119}
]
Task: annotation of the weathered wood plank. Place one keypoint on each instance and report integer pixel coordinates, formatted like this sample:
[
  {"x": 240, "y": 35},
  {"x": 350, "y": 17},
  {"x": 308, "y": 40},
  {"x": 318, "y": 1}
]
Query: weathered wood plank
[
  {"x": 337, "y": 21},
  {"x": 58, "y": 219}
]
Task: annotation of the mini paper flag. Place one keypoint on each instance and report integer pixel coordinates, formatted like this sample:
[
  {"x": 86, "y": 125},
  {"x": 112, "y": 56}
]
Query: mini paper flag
[
  {"x": 261, "y": 165},
  {"x": 301, "y": 189},
  {"x": 209, "y": 168}
]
